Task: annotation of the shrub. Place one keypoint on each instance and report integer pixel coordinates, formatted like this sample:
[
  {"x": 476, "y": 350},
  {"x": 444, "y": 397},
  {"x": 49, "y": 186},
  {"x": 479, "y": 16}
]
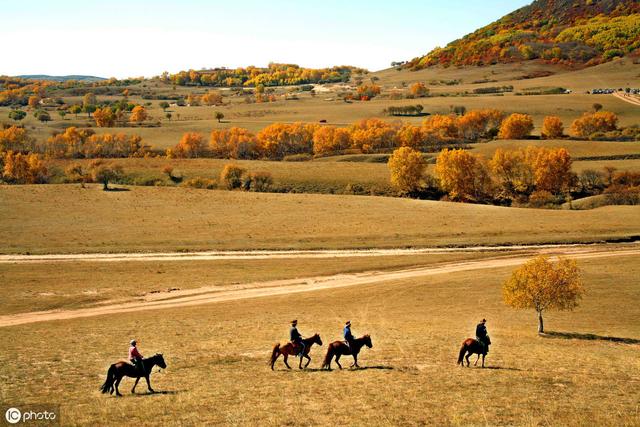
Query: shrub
[
  {"x": 202, "y": 183},
  {"x": 231, "y": 176},
  {"x": 541, "y": 198},
  {"x": 260, "y": 182}
]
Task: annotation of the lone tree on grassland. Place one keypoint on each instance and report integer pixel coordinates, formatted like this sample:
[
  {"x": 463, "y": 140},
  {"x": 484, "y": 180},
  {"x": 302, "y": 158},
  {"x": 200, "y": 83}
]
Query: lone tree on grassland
[
  {"x": 543, "y": 285},
  {"x": 104, "y": 173}
]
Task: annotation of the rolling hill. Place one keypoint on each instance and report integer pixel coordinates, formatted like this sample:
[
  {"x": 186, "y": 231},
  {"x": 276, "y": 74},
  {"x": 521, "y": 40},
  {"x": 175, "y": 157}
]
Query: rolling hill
[
  {"x": 61, "y": 78},
  {"x": 569, "y": 32}
]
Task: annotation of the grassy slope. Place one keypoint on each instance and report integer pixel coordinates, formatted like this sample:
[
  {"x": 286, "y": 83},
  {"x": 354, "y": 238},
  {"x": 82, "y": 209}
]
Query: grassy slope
[
  {"x": 56, "y": 218},
  {"x": 217, "y": 356}
]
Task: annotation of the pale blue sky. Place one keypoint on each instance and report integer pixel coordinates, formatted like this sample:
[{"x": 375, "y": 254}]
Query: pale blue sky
[{"x": 132, "y": 38}]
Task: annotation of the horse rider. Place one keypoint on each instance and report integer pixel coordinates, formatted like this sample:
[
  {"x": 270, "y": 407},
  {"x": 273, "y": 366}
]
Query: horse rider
[
  {"x": 296, "y": 338},
  {"x": 482, "y": 336},
  {"x": 348, "y": 336},
  {"x": 136, "y": 357}
]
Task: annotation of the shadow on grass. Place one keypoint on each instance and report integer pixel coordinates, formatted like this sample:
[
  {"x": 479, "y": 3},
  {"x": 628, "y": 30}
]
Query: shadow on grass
[
  {"x": 363, "y": 368},
  {"x": 147, "y": 394},
  {"x": 115, "y": 189},
  {"x": 588, "y": 337},
  {"x": 501, "y": 368}
]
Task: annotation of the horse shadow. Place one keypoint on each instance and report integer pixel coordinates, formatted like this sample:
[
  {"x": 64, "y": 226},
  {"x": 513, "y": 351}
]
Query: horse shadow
[
  {"x": 502, "y": 368},
  {"x": 162, "y": 392},
  {"x": 589, "y": 337}
]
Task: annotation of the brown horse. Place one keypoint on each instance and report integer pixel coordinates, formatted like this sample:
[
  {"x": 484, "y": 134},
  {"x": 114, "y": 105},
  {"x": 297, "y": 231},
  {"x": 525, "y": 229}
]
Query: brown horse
[
  {"x": 125, "y": 369},
  {"x": 472, "y": 346},
  {"x": 340, "y": 348},
  {"x": 289, "y": 350}
]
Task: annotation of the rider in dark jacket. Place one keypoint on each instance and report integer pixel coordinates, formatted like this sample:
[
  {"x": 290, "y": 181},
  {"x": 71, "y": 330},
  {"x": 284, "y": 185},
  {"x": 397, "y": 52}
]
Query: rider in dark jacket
[
  {"x": 481, "y": 334},
  {"x": 295, "y": 337},
  {"x": 348, "y": 336}
]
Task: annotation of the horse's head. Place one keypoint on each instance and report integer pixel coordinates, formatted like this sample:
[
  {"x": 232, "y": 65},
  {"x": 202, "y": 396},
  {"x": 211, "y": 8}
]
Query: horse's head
[
  {"x": 317, "y": 340},
  {"x": 159, "y": 360},
  {"x": 367, "y": 341}
]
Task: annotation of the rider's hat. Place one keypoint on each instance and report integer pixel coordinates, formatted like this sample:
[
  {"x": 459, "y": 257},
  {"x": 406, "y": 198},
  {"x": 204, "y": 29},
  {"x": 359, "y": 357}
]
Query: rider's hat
[
  {"x": 133, "y": 342},
  {"x": 348, "y": 323},
  {"x": 294, "y": 322},
  {"x": 484, "y": 320}
]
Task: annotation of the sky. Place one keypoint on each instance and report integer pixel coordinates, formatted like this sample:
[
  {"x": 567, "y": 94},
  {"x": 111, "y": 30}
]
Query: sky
[{"x": 144, "y": 38}]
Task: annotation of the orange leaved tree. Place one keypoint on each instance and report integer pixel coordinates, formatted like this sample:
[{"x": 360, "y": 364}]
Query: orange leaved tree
[
  {"x": 138, "y": 114},
  {"x": 543, "y": 285},
  {"x": 463, "y": 175},
  {"x": 552, "y": 127},
  {"x": 516, "y": 126}
]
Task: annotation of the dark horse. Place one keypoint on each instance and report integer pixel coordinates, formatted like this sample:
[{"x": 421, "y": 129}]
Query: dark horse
[
  {"x": 340, "y": 348},
  {"x": 472, "y": 346},
  {"x": 289, "y": 350},
  {"x": 125, "y": 369}
]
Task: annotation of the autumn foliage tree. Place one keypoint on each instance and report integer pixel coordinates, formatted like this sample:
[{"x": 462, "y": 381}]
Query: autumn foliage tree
[
  {"x": 543, "y": 285},
  {"x": 590, "y": 123},
  {"x": 419, "y": 90},
  {"x": 22, "y": 168},
  {"x": 327, "y": 140},
  {"x": 407, "y": 167},
  {"x": 16, "y": 138},
  {"x": 368, "y": 91},
  {"x": 105, "y": 173},
  {"x": 138, "y": 114},
  {"x": 516, "y": 126},
  {"x": 231, "y": 176},
  {"x": 104, "y": 117},
  {"x": 463, "y": 175},
  {"x": 552, "y": 127},
  {"x": 191, "y": 145},
  {"x": 234, "y": 143}
]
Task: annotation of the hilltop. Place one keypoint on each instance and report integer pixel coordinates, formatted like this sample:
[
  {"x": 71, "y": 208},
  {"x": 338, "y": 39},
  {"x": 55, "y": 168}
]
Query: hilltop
[{"x": 569, "y": 32}]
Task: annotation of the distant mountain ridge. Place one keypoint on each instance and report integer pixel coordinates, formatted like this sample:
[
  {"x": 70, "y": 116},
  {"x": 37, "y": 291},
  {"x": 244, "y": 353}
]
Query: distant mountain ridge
[
  {"x": 61, "y": 78},
  {"x": 560, "y": 31}
]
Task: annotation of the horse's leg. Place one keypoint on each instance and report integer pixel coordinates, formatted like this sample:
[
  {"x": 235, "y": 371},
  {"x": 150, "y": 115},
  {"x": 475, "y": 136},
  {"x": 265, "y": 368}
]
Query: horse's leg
[
  {"x": 338, "y": 360},
  {"x": 133, "y": 390},
  {"x": 467, "y": 357},
  {"x": 483, "y": 359},
  {"x": 478, "y": 358},
  {"x": 116, "y": 384},
  {"x": 149, "y": 384},
  {"x": 355, "y": 361},
  {"x": 300, "y": 362},
  {"x": 286, "y": 356},
  {"x": 308, "y": 360}
]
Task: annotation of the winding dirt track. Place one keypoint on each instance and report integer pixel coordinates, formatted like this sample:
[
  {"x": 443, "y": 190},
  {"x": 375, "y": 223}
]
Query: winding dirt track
[
  {"x": 631, "y": 99},
  {"x": 215, "y": 294}
]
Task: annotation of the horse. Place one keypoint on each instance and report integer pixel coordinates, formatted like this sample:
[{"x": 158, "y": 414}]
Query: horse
[
  {"x": 125, "y": 369},
  {"x": 289, "y": 350},
  {"x": 473, "y": 346},
  {"x": 340, "y": 348}
]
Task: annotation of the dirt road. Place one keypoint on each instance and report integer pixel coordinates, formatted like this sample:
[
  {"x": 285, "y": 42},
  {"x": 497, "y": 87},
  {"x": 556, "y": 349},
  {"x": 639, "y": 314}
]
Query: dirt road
[
  {"x": 285, "y": 254},
  {"x": 215, "y": 294},
  {"x": 631, "y": 99}
]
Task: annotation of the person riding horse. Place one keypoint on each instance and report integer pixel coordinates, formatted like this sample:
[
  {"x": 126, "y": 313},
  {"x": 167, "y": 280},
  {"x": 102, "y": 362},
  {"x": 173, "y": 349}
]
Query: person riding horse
[
  {"x": 135, "y": 357},
  {"x": 482, "y": 336},
  {"x": 296, "y": 338},
  {"x": 348, "y": 336}
]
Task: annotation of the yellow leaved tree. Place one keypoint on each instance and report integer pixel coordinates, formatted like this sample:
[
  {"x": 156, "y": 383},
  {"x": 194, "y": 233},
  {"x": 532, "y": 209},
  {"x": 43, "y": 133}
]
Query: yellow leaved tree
[
  {"x": 542, "y": 285},
  {"x": 407, "y": 168}
]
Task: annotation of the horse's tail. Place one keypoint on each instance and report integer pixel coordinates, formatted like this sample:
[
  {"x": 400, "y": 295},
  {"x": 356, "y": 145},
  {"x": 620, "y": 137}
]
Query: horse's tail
[
  {"x": 274, "y": 354},
  {"x": 111, "y": 377},
  {"x": 328, "y": 356},
  {"x": 463, "y": 350}
]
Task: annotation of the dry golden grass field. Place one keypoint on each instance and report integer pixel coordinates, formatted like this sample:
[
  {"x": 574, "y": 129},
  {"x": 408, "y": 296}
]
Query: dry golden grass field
[
  {"x": 217, "y": 356},
  {"x": 68, "y": 219}
]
